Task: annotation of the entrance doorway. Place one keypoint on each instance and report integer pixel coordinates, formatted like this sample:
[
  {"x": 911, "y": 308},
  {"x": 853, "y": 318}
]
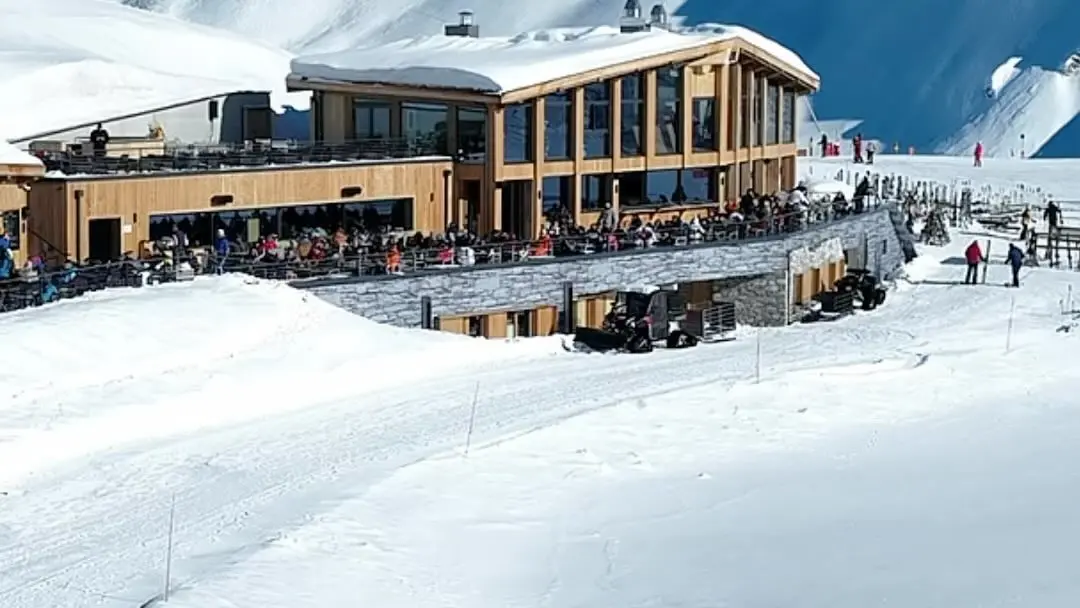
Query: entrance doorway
[
  {"x": 471, "y": 192},
  {"x": 104, "y": 237}
]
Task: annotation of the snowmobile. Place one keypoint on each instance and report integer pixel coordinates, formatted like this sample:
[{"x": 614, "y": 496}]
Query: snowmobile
[
  {"x": 638, "y": 321},
  {"x": 866, "y": 288}
]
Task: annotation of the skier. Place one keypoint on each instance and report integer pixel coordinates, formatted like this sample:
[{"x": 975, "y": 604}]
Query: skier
[
  {"x": 1015, "y": 259},
  {"x": 974, "y": 256},
  {"x": 871, "y": 149},
  {"x": 978, "y": 153},
  {"x": 824, "y": 145},
  {"x": 857, "y": 145},
  {"x": 1052, "y": 215}
]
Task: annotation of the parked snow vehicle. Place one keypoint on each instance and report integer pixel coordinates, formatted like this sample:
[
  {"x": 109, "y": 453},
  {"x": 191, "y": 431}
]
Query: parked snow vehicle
[
  {"x": 640, "y": 320},
  {"x": 866, "y": 288}
]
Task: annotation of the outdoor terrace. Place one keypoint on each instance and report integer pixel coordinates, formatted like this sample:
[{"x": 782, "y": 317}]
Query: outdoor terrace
[{"x": 162, "y": 157}]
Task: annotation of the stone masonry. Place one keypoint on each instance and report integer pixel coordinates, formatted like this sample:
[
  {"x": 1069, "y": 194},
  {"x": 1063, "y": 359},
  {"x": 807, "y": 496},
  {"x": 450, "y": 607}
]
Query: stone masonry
[{"x": 756, "y": 271}]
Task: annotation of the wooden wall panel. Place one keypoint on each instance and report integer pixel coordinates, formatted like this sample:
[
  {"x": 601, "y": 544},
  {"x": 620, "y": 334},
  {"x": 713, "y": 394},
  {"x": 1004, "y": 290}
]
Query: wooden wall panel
[
  {"x": 494, "y": 325},
  {"x": 545, "y": 321},
  {"x": 51, "y": 225},
  {"x": 135, "y": 199},
  {"x": 12, "y": 197},
  {"x": 454, "y": 325}
]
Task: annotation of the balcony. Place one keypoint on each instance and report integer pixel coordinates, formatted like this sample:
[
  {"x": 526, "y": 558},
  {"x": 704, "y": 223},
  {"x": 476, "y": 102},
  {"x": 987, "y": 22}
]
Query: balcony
[{"x": 127, "y": 156}]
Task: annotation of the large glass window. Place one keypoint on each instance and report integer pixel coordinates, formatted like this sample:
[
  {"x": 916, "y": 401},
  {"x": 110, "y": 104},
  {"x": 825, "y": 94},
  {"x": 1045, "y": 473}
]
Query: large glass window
[
  {"x": 472, "y": 132},
  {"x": 245, "y": 226},
  {"x": 595, "y": 191},
  {"x": 787, "y": 129},
  {"x": 745, "y": 114},
  {"x": 704, "y": 118},
  {"x": 424, "y": 126},
  {"x": 772, "y": 114},
  {"x": 556, "y": 193},
  {"x": 371, "y": 119},
  {"x": 633, "y": 115},
  {"x": 517, "y": 133},
  {"x": 598, "y": 120},
  {"x": 759, "y": 113},
  {"x": 670, "y": 186},
  {"x": 669, "y": 85},
  {"x": 558, "y": 117},
  {"x": 10, "y": 221},
  {"x": 733, "y": 108}
]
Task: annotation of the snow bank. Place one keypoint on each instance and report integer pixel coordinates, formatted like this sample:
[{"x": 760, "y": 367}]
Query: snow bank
[
  {"x": 130, "y": 364},
  {"x": 65, "y": 63},
  {"x": 1002, "y": 75},
  {"x": 917, "y": 465},
  {"x": 501, "y": 64}
]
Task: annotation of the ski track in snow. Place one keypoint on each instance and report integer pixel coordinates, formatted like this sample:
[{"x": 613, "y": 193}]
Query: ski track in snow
[{"x": 99, "y": 527}]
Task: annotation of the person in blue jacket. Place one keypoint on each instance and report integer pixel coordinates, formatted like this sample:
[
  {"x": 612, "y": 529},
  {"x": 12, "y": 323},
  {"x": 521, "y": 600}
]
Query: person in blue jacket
[
  {"x": 1016, "y": 261},
  {"x": 221, "y": 251}
]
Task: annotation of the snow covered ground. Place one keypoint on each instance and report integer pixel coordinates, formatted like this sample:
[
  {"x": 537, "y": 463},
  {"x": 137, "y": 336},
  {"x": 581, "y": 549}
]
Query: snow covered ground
[{"x": 918, "y": 454}]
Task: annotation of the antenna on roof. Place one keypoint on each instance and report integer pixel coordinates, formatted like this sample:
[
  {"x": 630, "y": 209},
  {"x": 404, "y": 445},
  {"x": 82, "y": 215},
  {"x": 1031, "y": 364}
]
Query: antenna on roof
[
  {"x": 658, "y": 16},
  {"x": 631, "y": 20},
  {"x": 466, "y": 26}
]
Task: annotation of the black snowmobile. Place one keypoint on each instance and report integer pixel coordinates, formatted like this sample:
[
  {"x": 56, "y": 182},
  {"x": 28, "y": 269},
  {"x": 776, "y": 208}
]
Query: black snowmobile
[{"x": 866, "y": 288}]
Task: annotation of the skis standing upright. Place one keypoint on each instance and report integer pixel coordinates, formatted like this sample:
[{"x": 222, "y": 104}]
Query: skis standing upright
[{"x": 986, "y": 260}]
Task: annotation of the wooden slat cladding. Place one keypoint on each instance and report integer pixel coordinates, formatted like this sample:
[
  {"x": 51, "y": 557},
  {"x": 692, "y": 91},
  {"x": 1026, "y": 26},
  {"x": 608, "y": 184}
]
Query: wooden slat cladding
[{"x": 55, "y": 204}]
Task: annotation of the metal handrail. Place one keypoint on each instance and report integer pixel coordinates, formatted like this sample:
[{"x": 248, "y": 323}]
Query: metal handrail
[{"x": 150, "y": 156}]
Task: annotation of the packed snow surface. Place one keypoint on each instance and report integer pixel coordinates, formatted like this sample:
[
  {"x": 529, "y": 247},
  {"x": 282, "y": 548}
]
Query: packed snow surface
[
  {"x": 66, "y": 63},
  {"x": 920, "y": 454},
  {"x": 500, "y": 64},
  {"x": 10, "y": 155}
]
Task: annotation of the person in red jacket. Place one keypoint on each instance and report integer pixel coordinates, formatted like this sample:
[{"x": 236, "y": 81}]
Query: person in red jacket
[
  {"x": 978, "y": 153},
  {"x": 974, "y": 256}
]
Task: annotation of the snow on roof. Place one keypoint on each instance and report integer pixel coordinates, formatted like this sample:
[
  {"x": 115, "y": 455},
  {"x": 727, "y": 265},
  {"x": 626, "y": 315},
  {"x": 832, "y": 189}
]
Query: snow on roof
[
  {"x": 65, "y": 63},
  {"x": 12, "y": 156},
  {"x": 502, "y": 64}
]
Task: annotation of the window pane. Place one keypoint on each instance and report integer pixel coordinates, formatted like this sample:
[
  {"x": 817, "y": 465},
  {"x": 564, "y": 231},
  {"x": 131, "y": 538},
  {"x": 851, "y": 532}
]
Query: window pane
[
  {"x": 595, "y": 191},
  {"x": 772, "y": 109},
  {"x": 517, "y": 133},
  {"x": 744, "y": 111},
  {"x": 12, "y": 230},
  {"x": 633, "y": 115},
  {"x": 371, "y": 120},
  {"x": 472, "y": 132},
  {"x": 787, "y": 135},
  {"x": 704, "y": 118},
  {"x": 598, "y": 120},
  {"x": 698, "y": 185},
  {"x": 668, "y": 110},
  {"x": 375, "y": 216},
  {"x": 557, "y": 121},
  {"x": 662, "y": 186},
  {"x": 556, "y": 193},
  {"x": 632, "y": 189},
  {"x": 424, "y": 126}
]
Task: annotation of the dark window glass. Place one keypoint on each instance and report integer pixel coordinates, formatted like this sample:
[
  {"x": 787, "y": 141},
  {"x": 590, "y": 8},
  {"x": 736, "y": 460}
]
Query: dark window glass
[
  {"x": 12, "y": 230},
  {"x": 472, "y": 132},
  {"x": 787, "y": 131},
  {"x": 772, "y": 114},
  {"x": 704, "y": 118},
  {"x": 556, "y": 193},
  {"x": 598, "y": 120},
  {"x": 371, "y": 120},
  {"x": 633, "y": 115},
  {"x": 423, "y": 125},
  {"x": 595, "y": 191},
  {"x": 669, "y": 85},
  {"x": 557, "y": 122},
  {"x": 517, "y": 133}
]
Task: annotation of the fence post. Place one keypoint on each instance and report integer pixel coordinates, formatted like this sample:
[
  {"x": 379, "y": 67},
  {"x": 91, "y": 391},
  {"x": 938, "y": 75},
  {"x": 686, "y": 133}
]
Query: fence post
[
  {"x": 426, "y": 318},
  {"x": 568, "y": 320}
]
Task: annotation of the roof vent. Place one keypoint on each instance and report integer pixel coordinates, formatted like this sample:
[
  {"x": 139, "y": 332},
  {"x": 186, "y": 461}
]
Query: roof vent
[
  {"x": 631, "y": 20},
  {"x": 658, "y": 16},
  {"x": 465, "y": 28}
]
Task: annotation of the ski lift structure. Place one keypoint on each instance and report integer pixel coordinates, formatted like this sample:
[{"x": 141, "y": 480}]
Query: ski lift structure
[{"x": 1071, "y": 67}]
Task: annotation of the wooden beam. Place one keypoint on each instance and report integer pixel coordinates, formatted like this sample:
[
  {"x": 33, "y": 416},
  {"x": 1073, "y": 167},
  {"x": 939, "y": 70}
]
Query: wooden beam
[{"x": 378, "y": 90}]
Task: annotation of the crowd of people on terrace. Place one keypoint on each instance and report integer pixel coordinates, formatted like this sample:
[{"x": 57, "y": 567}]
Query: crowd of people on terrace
[{"x": 359, "y": 249}]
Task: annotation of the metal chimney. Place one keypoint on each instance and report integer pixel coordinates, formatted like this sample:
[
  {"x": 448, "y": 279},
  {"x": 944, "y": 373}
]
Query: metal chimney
[
  {"x": 465, "y": 27},
  {"x": 631, "y": 20},
  {"x": 658, "y": 16}
]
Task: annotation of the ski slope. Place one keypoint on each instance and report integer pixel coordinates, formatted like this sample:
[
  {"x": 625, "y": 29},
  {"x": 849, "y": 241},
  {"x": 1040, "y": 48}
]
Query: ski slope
[
  {"x": 1023, "y": 117},
  {"x": 65, "y": 63},
  {"x": 316, "y": 458}
]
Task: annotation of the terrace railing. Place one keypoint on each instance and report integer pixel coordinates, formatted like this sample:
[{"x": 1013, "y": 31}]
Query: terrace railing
[
  {"x": 45, "y": 287},
  {"x": 144, "y": 156}
]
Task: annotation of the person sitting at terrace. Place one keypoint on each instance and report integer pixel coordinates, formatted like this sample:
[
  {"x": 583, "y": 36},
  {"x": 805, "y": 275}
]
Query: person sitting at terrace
[
  {"x": 393, "y": 260},
  {"x": 543, "y": 246},
  {"x": 446, "y": 254}
]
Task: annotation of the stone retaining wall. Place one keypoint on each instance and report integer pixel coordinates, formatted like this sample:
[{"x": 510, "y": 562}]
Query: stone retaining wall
[{"x": 757, "y": 270}]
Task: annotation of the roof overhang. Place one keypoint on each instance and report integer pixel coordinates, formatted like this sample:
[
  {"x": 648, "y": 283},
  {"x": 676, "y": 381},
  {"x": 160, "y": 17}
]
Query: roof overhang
[
  {"x": 295, "y": 83},
  {"x": 20, "y": 172}
]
